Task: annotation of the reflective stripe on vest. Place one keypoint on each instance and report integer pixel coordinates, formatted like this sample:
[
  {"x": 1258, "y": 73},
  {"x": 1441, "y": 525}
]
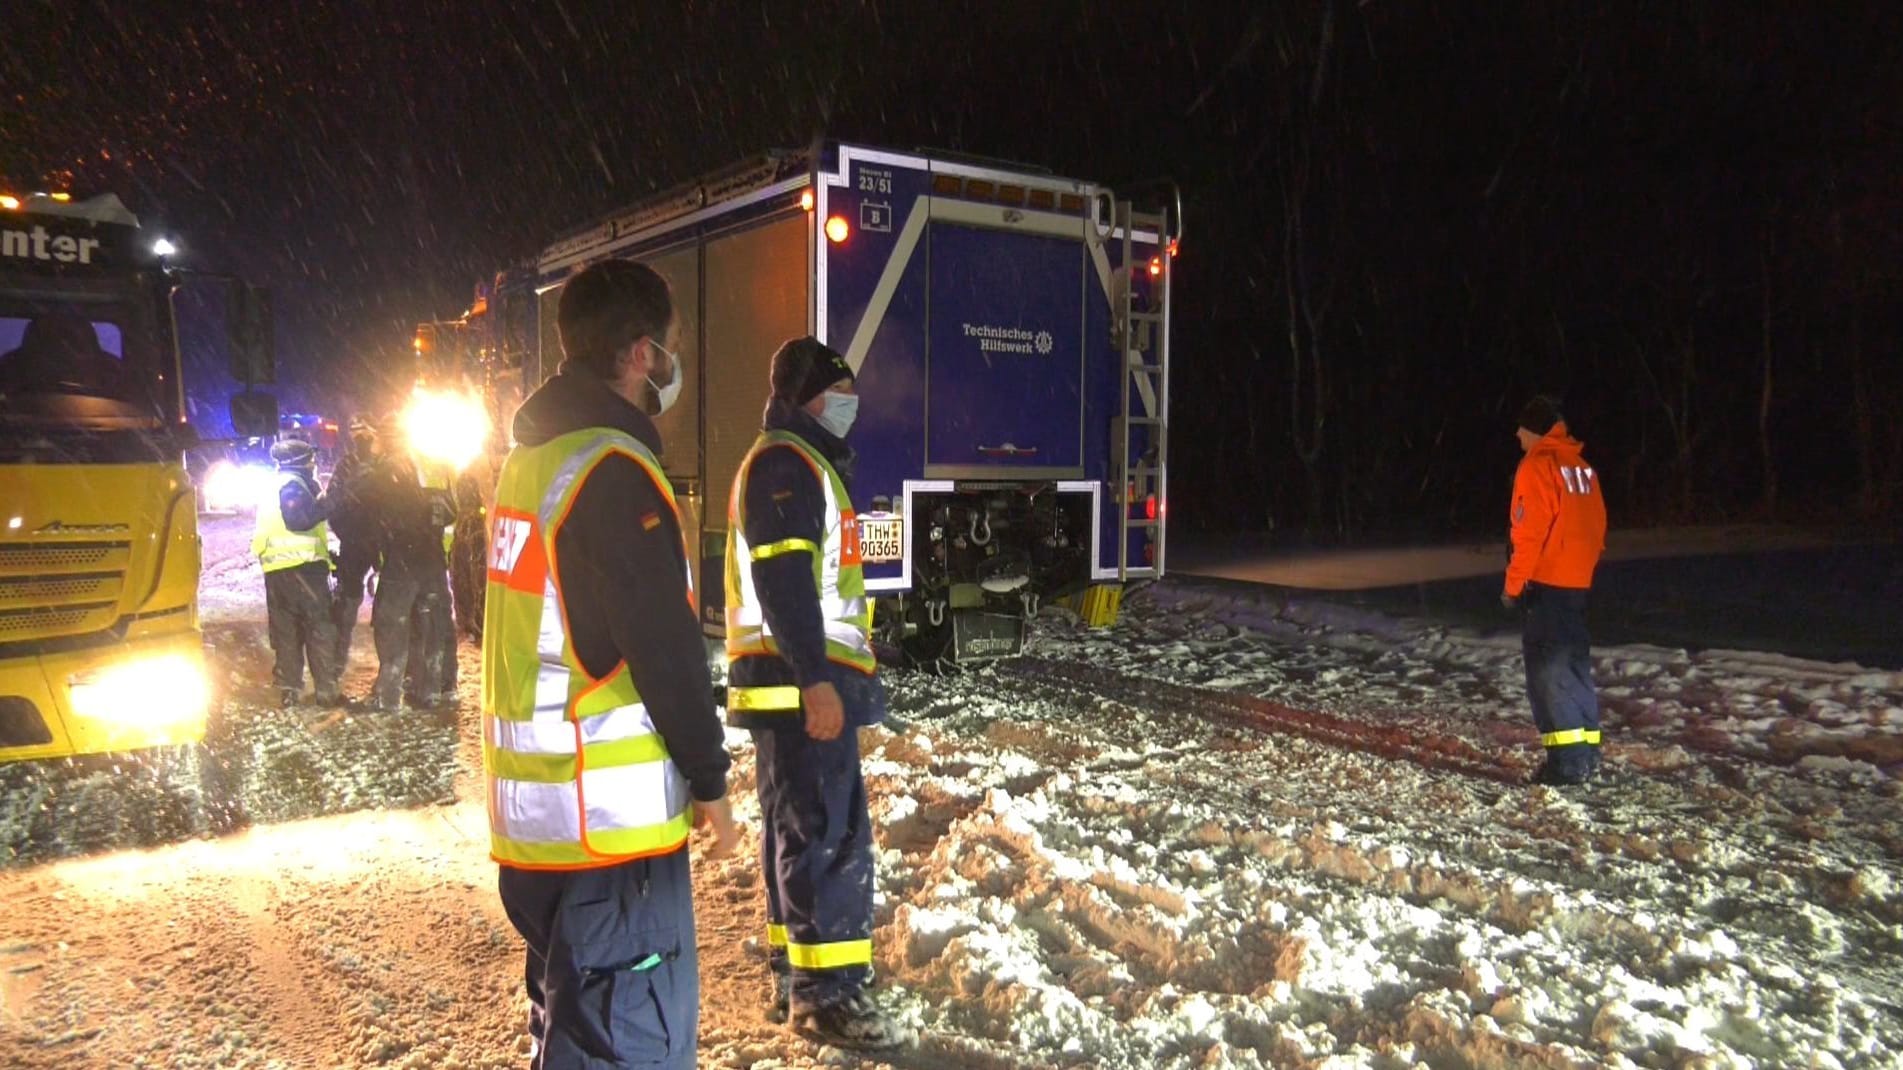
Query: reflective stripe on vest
[
  {"x": 577, "y": 776},
  {"x": 275, "y": 545},
  {"x": 837, "y": 575}
]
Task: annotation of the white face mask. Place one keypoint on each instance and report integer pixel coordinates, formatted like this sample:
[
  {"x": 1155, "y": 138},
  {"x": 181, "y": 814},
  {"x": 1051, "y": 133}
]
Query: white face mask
[
  {"x": 839, "y": 413},
  {"x": 666, "y": 396}
]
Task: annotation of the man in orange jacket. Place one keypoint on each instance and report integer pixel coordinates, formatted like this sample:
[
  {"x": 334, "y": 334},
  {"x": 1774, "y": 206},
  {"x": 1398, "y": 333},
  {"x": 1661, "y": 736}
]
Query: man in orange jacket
[{"x": 1558, "y": 531}]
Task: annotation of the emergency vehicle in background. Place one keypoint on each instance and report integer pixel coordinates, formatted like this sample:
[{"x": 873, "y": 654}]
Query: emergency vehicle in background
[
  {"x": 99, "y": 550},
  {"x": 1009, "y": 331}
]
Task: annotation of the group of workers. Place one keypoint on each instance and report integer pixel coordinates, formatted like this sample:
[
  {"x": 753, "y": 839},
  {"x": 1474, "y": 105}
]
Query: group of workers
[
  {"x": 603, "y": 744},
  {"x": 391, "y": 517}
]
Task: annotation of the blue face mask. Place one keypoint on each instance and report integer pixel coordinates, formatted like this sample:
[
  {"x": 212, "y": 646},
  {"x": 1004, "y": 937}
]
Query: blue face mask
[{"x": 839, "y": 413}]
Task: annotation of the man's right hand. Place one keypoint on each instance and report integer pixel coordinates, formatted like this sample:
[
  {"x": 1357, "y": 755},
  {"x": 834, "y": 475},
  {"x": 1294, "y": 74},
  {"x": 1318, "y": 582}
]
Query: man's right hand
[
  {"x": 825, "y": 714},
  {"x": 718, "y": 815}
]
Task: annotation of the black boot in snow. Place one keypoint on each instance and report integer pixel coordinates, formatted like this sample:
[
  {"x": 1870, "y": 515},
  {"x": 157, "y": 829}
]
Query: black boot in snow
[
  {"x": 854, "y": 1022},
  {"x": 1552, "y": 775},
  {"x": 779, "y": 994}
]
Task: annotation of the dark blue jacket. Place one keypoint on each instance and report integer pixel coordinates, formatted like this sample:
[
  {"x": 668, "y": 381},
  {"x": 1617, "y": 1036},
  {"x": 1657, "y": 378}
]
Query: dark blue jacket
[
  {"x": 299, "y": 502},
  {"x": 785, "y": 501}
]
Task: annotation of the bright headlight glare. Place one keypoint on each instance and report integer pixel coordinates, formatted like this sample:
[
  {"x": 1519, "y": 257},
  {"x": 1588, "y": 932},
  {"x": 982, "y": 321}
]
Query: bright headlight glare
[
  {"x": 162, "y": 689},
  {"x": 448, "y": 428},
  {"x": 232, "y": 486}
]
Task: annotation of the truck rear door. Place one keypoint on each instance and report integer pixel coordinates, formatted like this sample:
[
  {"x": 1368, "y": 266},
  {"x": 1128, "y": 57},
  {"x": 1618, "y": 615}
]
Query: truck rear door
[{"x": 1006, "y": 361}]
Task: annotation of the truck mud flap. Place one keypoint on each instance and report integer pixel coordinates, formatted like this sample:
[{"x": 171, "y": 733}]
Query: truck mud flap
[{"x": 981, "y": 636}]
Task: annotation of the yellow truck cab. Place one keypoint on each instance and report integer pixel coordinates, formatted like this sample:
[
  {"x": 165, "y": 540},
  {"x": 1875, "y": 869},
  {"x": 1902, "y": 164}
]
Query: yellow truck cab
[{"x": 99, "y": 552}]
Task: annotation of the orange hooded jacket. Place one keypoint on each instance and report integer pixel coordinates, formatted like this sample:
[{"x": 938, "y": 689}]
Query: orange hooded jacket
[{"x": 1558, "y": 518}]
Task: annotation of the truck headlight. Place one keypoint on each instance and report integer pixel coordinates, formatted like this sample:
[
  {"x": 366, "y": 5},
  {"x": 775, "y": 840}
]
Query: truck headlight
[
  {"x": 445, "y": 427},
  {"x": 161, "y": 689},
  {"x": 230, "y": 487}
]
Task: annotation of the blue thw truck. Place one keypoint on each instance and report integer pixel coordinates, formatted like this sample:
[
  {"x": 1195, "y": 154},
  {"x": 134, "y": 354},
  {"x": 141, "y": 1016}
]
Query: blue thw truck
[{"x": 1010, "y": 335}]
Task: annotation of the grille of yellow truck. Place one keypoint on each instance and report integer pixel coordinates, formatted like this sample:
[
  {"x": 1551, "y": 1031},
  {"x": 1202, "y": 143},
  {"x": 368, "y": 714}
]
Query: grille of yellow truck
[
  {"x": 19, "y": 592},
  {"x": 29, "y": 558},
  {"x": 54, "y": 620},
  {"x": 50, "y": 589}
]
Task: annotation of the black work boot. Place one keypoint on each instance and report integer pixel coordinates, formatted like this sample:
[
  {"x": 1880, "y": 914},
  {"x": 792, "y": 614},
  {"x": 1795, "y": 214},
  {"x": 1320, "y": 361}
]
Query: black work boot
[
  {"x": 287, "y": 697},
  {"x": 854, "y": 1022},
  {"x": 1553, "y": 774},
  {"x": 779, "y": 994}
]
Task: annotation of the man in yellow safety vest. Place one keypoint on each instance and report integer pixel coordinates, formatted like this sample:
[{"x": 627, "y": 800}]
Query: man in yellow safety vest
[
  {"x": 291, "y": 542},
  {"x": 601, "y": 741},
  {"x": 802, "y": 677}
]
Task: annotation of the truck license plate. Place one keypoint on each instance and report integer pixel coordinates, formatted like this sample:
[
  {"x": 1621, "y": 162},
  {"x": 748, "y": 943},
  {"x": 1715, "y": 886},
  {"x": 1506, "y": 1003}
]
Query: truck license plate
[{"x": 881, "y": 537}]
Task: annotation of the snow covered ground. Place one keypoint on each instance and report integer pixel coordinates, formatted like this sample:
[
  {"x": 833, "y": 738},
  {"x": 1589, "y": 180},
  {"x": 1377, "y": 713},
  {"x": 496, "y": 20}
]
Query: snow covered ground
[{"x": 1242, "y": 828}]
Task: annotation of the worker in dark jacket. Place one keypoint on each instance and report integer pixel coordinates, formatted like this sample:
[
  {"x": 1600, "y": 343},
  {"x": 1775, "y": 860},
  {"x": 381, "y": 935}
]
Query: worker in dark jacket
[
  {"x": 602, "y": 743},
  {"x": 412, "y": 586},
  {"x": 351, "y": 517},
  {"x": 291, "y": 543},
  {"x": 801, "y": 675},
  {"x": 431, "y": 679}
]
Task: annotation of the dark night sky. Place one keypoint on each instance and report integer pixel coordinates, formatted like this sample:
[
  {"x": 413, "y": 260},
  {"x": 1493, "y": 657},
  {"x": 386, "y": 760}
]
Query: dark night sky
[{"x": 1627, "y": 203}]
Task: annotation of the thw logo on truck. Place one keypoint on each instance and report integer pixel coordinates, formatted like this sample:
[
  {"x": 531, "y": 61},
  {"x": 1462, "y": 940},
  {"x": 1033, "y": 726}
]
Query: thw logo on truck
[{"x": 516, "y": 557}]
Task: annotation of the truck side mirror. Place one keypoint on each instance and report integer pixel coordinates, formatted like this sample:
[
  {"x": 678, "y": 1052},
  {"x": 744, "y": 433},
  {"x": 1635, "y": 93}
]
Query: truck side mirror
[
  {"x": 250, "y": 338},
  {"x": 254, "y": 415}
]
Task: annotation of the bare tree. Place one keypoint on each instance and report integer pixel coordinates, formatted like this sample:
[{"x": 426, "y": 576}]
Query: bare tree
[
  {"x": 1767, "y": 501},
  {"x": 1307, "y": 297}
]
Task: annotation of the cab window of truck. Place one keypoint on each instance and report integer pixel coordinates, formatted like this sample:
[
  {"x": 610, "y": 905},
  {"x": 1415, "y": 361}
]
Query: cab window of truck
[
  {"x": 57, "y": 349},
  {"x": 87, "y": 374},
  {"x": 62, "y": 351}
]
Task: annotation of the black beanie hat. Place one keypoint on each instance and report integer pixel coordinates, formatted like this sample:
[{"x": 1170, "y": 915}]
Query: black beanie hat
[
  {"x": 293, "y": 453},
  {"x": 805, "y": 367},
  {"x": 1540, "y": 414}
]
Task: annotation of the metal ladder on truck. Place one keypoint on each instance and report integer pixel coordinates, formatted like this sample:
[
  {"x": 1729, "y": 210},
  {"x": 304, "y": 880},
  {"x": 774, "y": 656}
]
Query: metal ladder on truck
[{"x": 1142, "y": 335}]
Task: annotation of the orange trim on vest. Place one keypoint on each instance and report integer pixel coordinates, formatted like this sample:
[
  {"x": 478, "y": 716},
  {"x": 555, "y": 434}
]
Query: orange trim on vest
[
  {"x": 556, "y": 867},
  {"x": 581, "y": 758},
  {"x": 594, "y": 682}
]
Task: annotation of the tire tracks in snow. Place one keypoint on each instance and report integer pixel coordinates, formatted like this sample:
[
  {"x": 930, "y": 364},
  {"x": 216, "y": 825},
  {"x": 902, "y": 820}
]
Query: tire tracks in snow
[
  {"x": 1654, "y": 852},
  {"x": 1406, "y": 741}
]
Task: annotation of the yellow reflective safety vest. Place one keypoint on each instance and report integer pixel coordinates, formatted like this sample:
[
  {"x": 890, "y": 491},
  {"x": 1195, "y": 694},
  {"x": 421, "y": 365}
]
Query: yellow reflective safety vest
[
  {"x": 577, "y": 775},
  {"x": 278, "y": 547},
  {"x": 837, "y": 573}
]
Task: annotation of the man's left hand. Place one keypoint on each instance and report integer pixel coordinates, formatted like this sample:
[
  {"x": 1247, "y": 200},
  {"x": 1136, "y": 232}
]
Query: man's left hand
[
  {"x": 1509, "y": 602},
  {"x": 825, "y": 714}
]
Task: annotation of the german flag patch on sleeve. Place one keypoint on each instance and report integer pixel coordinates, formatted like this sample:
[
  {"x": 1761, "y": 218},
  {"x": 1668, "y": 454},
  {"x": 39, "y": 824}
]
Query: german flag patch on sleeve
[{"x": 650, "y": 521}]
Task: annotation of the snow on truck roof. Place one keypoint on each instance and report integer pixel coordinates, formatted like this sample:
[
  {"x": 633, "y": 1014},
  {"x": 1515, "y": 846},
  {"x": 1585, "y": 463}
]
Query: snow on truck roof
[
  {"x": 790, "y": 168},
  {"x": 103, "y": 208}
]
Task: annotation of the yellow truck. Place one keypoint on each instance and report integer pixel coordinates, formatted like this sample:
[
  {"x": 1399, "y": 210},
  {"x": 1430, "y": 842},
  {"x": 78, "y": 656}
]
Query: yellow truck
[{"x": 99, "y": 552}]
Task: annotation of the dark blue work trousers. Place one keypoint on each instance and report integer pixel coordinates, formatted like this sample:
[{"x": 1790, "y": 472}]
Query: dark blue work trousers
[
  {"x": 816, "y": 857},
  {"x": 1559, "y": 685},
  {"x": 613, "y": 978}
]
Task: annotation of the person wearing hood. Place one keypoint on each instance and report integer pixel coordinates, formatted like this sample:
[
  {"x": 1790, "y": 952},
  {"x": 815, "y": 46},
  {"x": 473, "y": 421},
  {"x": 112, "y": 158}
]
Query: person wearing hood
[
  {"x": 602, "y": 743},
  {"x": 802, "y": 677},
  {"x": 412, "y": 597},
  {"x": 358, "y": 549},
  {"x": 291, "y": 541},
  {"x": 1558, "y": 530}
]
